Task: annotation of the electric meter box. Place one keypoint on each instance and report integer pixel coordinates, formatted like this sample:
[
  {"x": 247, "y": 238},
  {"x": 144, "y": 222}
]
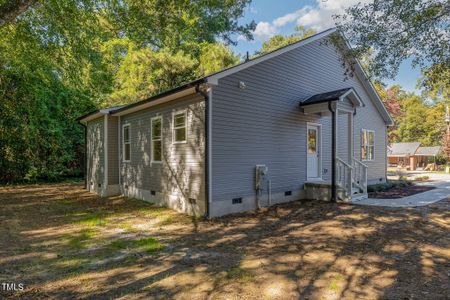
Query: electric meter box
[{"x": 262, "y": 177}]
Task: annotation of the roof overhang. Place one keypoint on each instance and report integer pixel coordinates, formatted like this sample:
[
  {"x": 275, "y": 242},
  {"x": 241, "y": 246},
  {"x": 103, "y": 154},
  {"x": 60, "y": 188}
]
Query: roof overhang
[
  {"x": 159, "y": 99},
  {"x": 354, "y": 98},
  {"x": 94, "y": 115},
  {"x": 318, "y": 103},
  {"x": 364, "y": 78}
]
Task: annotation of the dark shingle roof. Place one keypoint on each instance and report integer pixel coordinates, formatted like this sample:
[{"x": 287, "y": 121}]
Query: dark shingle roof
[{"x": 325, "y": 97}]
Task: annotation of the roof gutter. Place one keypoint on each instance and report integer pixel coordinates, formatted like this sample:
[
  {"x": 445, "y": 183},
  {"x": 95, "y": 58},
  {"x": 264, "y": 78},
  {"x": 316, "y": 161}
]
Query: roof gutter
[
  {"x": 160, "y": 98},
  {"x": 333, "y": 153},
  {"x": 207, "y": 147},
  {"x": 85, "y": 154}
]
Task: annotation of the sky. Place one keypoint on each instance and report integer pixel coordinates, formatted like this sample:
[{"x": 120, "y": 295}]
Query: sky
[{"x": 281, "y": 16}]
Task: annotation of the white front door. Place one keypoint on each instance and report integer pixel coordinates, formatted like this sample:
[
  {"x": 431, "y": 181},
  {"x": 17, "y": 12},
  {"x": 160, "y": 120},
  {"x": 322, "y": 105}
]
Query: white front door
[{"x": 313, "y": 139}]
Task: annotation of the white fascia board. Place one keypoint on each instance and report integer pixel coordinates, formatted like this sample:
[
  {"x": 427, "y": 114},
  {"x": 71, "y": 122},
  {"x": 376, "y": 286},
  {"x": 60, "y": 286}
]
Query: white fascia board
[
  {"x": 214, "y": 79},
  {"x": 355, "y": 99},
  {"x": 372, "y": 92},
  {"x": 370, "y": 88},
  {"x": 97, "y": 115}
]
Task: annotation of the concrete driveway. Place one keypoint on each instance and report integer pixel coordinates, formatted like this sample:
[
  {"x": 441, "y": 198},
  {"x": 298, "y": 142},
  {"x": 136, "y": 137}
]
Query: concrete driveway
[{"x": 441, "y": 182}]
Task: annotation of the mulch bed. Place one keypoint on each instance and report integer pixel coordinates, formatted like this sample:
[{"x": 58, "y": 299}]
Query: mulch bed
[{"x": 400, "y": 192}]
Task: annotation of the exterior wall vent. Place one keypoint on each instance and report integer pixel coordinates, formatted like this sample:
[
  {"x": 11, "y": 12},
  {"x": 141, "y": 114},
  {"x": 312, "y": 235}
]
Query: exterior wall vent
[
  {"x": 288, "y": 193},
  {"x": 99, "y": 185},
  {"x": 237, "y": 200},
  {"x": 153, "y": 193}
]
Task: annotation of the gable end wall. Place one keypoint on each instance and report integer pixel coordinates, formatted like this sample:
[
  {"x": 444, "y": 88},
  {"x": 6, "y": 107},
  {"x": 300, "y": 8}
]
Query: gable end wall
[{"x": 262, "y": 124}]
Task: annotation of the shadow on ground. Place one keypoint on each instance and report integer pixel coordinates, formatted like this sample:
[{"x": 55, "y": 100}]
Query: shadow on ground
[{"x": 60, "y": 241}]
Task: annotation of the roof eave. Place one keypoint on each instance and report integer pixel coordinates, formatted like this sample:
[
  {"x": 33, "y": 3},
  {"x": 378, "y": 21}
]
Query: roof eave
[
  {"x": 370, "y": 88},
  {"x": 91, "y": 116}
]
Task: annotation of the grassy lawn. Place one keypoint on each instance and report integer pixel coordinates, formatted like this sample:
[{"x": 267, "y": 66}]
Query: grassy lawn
[{"x": 60, "y": 241}]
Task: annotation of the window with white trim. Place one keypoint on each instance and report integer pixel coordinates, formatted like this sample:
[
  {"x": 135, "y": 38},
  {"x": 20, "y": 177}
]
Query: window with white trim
[
  {"x": 126, "y": 143},
  {"x": 179, "y": 121},
  {"x": 367, "y": 144},
  {"x": 156, "y": 151}
]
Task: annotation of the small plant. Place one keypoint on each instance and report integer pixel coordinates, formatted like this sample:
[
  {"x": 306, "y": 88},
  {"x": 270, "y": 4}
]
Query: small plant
[{"x": 422, "y": 178}]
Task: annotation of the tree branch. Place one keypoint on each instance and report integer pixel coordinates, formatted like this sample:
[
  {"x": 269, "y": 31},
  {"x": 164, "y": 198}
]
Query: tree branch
[{"x": 11, "y": 9}]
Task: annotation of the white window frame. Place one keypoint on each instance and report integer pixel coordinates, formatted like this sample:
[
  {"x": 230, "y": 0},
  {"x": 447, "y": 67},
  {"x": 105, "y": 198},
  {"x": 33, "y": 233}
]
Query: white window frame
[
  {"x": 124, "y": 143},
  {"x": 184, "y": 111},
  {"x": 160, "y": 139},
  {"x": 367, "y": 146}
]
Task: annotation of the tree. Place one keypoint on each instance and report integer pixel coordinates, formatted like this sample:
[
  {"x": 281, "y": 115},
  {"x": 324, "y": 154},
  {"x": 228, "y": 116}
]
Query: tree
[
  {"x": 10, "y": 9},
  {"x": 60, "y": 59},
  {"x": 436, "y": 82},
  {"x": 397, "y": 30},
  {"x": 279, "y": 41},
  {"x": 142, "y": 72}
]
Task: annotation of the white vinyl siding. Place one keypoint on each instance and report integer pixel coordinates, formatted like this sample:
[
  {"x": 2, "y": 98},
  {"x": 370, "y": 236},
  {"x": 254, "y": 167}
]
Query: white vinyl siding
[
  {"x": 263, "y": 124},
  {"x": 126, "y": 143},
  {"x": 179, "y": 121},
  {"x": 180, "y": 174},
  {"x": 367, "y": 144},
  {"x": 156, "y": 134}
]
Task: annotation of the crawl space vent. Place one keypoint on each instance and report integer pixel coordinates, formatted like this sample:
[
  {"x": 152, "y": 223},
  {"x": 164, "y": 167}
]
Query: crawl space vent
[{"x": 237, "y": 200}]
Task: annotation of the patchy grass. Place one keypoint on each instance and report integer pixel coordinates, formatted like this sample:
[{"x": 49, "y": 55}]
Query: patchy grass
[
  {"x": 78, "y": 241},
  {"x": 237, "y": 273},
  {"x": 149, "y": 245},
  {"x": 92, "y": 219},
  {"x": 422, "y": 178},
  {"x": 63, "y": 242}
]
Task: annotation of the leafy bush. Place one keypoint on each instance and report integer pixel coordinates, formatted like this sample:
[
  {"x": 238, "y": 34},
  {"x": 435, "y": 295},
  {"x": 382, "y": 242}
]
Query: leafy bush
[{"x": 390, "y": 184}]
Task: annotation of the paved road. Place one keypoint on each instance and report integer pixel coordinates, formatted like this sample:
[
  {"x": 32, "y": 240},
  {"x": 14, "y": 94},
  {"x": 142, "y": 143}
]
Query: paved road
[{"x": 442, "y": 190}]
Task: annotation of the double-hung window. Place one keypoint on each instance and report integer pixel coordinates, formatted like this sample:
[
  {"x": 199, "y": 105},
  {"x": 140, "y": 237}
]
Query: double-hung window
[
  {"x": 156, "y": 151},
  {"x": 179, "y": 120},
  {"x": 367, "y": 144},
  {"x": 126, "y": 143}
]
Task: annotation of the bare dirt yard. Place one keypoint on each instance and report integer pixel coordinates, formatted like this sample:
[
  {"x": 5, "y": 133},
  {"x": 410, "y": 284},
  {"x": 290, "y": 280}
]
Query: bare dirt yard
[{"x": 62, "y": 242}]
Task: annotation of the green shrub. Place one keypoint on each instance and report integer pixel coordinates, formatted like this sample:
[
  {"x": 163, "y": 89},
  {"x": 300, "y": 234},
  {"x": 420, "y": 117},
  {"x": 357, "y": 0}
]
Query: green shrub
[{"x": 390, "y": 184}]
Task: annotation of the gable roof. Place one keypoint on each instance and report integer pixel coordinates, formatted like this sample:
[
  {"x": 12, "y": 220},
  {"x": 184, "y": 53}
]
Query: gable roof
[
  {"x": 325, "y": 97},
  {"x": 214, "y": 78},
  {"x": 403, "y": 149},
  {"x": 428, "y": 151},
  {"x": 334, "y": 96}
]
